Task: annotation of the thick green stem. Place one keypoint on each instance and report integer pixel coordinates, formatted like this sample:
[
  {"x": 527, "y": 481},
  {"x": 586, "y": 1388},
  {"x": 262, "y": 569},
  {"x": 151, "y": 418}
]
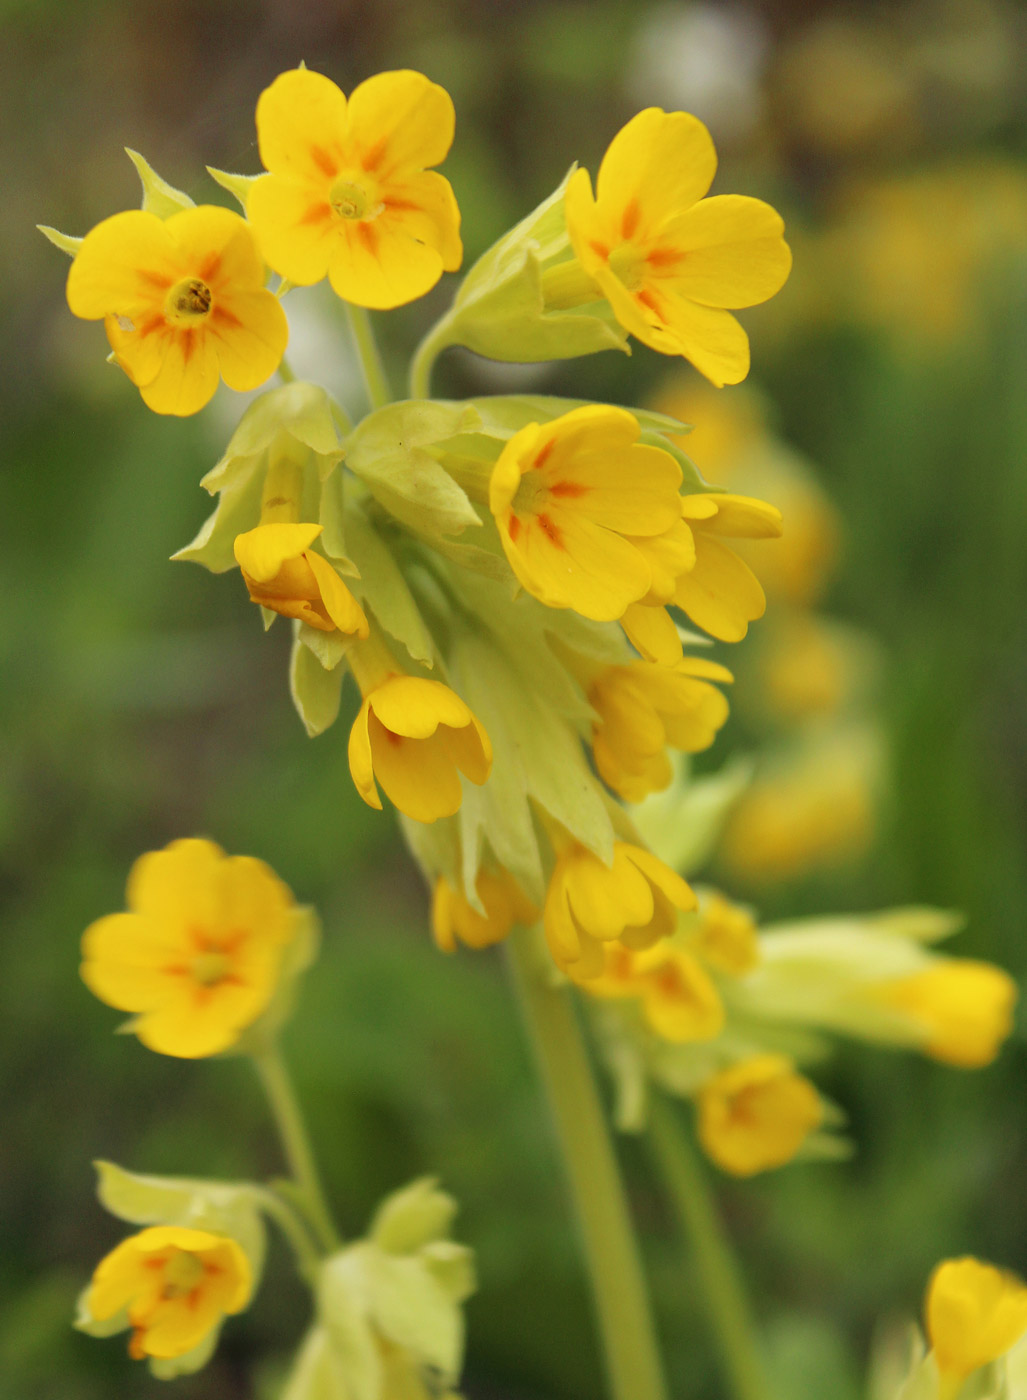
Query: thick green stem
[
  {"x": 370, "y": 360},
  {"x": 726, "y": 1303},
  {"x": 308, "y": 1256},
  {"x": 425, "y": 356},
  {"x": 285, "y": 1110},
  {"x": 618, "y": 1286},
  {"x": 286, "y": 373}
]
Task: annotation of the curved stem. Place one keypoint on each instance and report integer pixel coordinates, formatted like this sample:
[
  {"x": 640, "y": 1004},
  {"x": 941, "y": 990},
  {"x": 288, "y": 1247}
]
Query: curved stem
[
  {"x": 285, "y": 1110},
  {"x": 370, "y": 360},
  {"x": 618, "y": 1286},
  {"x": 286, "y": 373},
  {"x": 307, "y": 1254},
  {"x": 727, "y": 1305},
  {"x": 425, "y": 356}
]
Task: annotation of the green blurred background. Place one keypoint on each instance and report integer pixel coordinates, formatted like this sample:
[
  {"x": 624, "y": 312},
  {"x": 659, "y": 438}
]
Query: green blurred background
[{"x": 140, "y": 701}]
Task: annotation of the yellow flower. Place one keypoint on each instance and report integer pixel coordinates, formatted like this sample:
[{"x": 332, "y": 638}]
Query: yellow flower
[
  {"x": 197, "y": 955},
  {"x": 633, "y": 902},
  {"x": 505, "y": 904},
  {"x": 566, "y": 494},
  {"x": 974, "y": 1314},
  {"x": 757, "y": 1114},
  {"x": 176, "y": 1284},
  {"x": 678, "y": 999},
  {"x": 183, "y": 302},
  {"x": 283, "y": 573},
  {"x": 723, "y": 934},
  {"x": 642, "y": 708},
  {"x": 965, "y": 1009},
  {"x": 415, "y": 736},
  {"x": 667, "y": 260},
  {"x": 349, "y": 193}
]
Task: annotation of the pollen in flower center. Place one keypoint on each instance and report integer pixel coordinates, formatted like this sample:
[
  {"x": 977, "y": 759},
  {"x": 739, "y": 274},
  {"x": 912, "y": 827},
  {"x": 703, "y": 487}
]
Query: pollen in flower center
[
  {"x": 188, "y": 301},
  {"x": 352, "y": 201},
  {"x": 628, "y": 264},
  {"x": 182, "y": 1273},
  {"x": 209, "y": 968}
]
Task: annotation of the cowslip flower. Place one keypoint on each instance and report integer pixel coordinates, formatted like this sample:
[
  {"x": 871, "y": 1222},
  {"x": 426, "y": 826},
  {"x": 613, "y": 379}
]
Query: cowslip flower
[
  {"x": 183, "y": 302},
  {"x": 678, "y": 999},
  {"x": 283, "y": 573},
  {"x": 567, "y": 494},
  {"x": 974, "y": 1314},
  {"x": 504, "y": 903},
  {"x": 174, "y": 1284},
  {"x": 642, "y": 708},
  {"x": 634, "y": 902},
  {"x": 669, "y": 262},
  {"x": 757, "y": 1114},
  {"x": 723, "y": 934},
  {"x": 197, "y": 955},
  {"x": 349, "y": 193},
  {"x": 965, "y": 1009}
]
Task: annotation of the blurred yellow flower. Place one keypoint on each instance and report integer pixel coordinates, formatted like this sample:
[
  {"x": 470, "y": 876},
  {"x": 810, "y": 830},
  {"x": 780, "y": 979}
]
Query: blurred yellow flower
[
  {"x": 198, "y": 954},
  {"x": 667, "y": 260},
  {"x": 350, "y": 193},
  {"x": 757, "y": 1114},
  {"x": 176, "y": 1285},
  {"x": 678, "y": 999},
  {"x": 566, "y": 494},
  {"x": 283, "y": 573},
  {"x": 634, "y": 901},
  {"x": 183, "y": 302},
  {"x": 974, "y": 1313},
  {"x": 723, "y": 934},
  {"x": 504, "y": 902},
  {"x": 965, "y": 1008},
  {"x": 642, "y": 708}
]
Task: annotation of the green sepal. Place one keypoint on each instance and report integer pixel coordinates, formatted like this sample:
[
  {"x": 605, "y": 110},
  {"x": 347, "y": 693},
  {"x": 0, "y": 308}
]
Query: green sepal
[
  {"x": 328, "y": 647},
  {"x": 64, "y": 241},
  {"x": 159, "y": 197},
  {"x": 388, "y": 451},
  {"x": 382, "y": 585},
  {"x": 316, "y": 692},
  {"x": 683, "y": 824},
  {"x": 237, "y": 185},
  {"x": 319, "y": 1371},
  {"x": 500, "y": 309},
  {"x": 413, "y": 1217}
]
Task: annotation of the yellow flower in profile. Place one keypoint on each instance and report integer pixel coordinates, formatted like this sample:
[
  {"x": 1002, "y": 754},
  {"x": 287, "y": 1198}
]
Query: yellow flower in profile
[
  {"x": 566, "y": 495},
  {"x": 197, "y": 955},
  {"x": 183, "y": 302},
  {"x": 667, "y": 260},
  {"x": 283, "y": 573},
  {"x": 415, "y": 737},
  {"x": 504, "y": 902},
  {"x": 634, "y": 902},
  {"x": 965, "y": 1008},
  {"x": 723, "y": 934},
  {"x": 678, "y": 999},
  {"x": 757, "y": 1114},
  {"x": 974, "y": 1314},
  {"x": 349, "y": 193},
  {"x": 642, "y": 708},
  {"x": 176, "y": 1285}
]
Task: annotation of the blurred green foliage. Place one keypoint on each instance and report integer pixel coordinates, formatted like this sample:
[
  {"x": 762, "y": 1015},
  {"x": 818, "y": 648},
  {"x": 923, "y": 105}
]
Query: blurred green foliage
[{"x": 140, "y": 702}]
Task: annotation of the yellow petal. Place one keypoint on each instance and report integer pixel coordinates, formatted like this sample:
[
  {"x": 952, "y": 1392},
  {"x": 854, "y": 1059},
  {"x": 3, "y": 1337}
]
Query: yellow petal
[
  {"x": 568, "y": 562},
  {"x": 262, "y": 551},
  {"x": 250, "y": 332},
  {"x": 178, "y": 885},
  {"x": 301, "y": 126},
  {"x": 711, "y": 338},
  {"x": 740, "y": 517},
  {"x": 125, "y": 263},
  {"x": 215, "y": 245},
  {"x": 400, "y": 122},
  {"x": 667, "y": 881},
  {"x": 469, "y": 749},
  {"x": 651, "y": 631},
  {"x": 361, "y": 763},
  {"x": 140, "y": 344},
  {"x": 126, "y": 961},
  {"x": 379, "y": 265},
  {"x": 974, "y": 1312},
  {"x": 190, "y": 1027},
  {"x": 735, "y": 253},
  {"x": 664, "y": 161},
  {"x": 721, "y": 594},
  {"x": 294, "y": 226},
  {"x": 417, "y": 775},
  {"x": 188, "y": 378},
  {"x": 339, "y": 602},
  {"x": 424, "y": 207},
  {"x": 415, "y": 707}
]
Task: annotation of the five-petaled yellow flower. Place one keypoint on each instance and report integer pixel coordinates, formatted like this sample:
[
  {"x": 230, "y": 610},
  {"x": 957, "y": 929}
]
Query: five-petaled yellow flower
[
  {"x": 667, "y": 260},
  {"x": 757, "y": 1114},
  {"x": 198, "y": 954},
  {"x": 350, "y": 193},
  {"x": 283, "y": 573},
  {"x": 974, "y": 1314},
  {"x": 183, "y": 302},
  {"x": 567, "y": 494},
  {"x": 175, "y": 1284}
]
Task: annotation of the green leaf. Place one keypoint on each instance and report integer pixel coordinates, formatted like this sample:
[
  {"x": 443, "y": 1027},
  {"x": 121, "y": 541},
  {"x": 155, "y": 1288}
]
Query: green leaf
[
  {"x": 237, "y": 510},
  {"x": 159, "y": 197},
  {"x": 316, "y": 692}
]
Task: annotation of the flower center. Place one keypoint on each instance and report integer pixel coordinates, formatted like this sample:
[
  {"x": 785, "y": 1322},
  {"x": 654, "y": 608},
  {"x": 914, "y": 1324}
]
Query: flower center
[
  {"x": 627, "y": 261},
  {"x": 182, "y": 1273},
  {"x": 209, "y": 968},
  {"x": 188, "y": 301},
  {"x": 531, "y": 495},
  {"x": 352, "y": 201}
]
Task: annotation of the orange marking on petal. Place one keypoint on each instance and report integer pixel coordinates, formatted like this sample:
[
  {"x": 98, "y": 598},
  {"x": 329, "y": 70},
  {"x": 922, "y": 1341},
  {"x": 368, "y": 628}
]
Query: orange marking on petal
[
  {"x": 544, "y": 453},
  {"x": 396, "y": 739},
  {"x": 513, "y": 528},
  {"x": 368, "y": 237},
  {"x": 665, "y": 257},
  {"x": 135, "y": 1344},
  {"x": 223, "y": 317},
  {"x": 600, "y": 248},
  {"x": 400, "y": 204},
  {"x": 154, "y": 279},
  {"x": 649, "y": 301},
  {"x": 188, "y": 345},
  {"x": 568, "y": 488},
  {"x": 549, "y": 530},
  {"x": 629, "y": 220},
  {"x": 210, "y": 267},
  {"x": 151, "y": 324},
  {"x": 373, "y": 156},
  {"x": 175, "y": 970},
  {"x": 317, "y": 214},
  {"x": 324, "y": 161}
]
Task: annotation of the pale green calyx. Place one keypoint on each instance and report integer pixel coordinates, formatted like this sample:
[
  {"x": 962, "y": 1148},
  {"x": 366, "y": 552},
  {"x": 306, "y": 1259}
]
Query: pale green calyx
[{"x": 159, "y": 197}]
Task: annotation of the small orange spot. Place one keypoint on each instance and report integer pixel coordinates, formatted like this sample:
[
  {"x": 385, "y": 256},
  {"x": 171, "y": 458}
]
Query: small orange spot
[
  {"x": 395, "y": 739},
  {"x": 629, "y": 222},
  {"x": 514, "y": 528},
  {"x": 665, "y": 257},
  {"x": 211, "y": 267},
  {"x": 323, "y": 160},
  {"x": 368, "y": 237},
  {"x": 135, "y": 1344},
  {"x": 373, "y": 155},
  {"x": 568, "y": 488},
  {"x": 175, "y": 970},
  {"x": 317, "y": 214},
  {"x": 400, "y": 204},
  {"x": 543, "y": 455},
  {"x": 221, "y": 316},
  {"x": 147, "y": 327},
  {"x": 600, "y": 249},
  {"x": 154, "y": 279},
  {"x": 188, "y": 345},
  {"x": 649, "y": 301},
  {"x": 549, "y": 530}
]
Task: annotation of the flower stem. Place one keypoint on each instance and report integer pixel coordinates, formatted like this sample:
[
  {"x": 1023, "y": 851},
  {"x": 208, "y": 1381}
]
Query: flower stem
[
  {"x": 425, "y": 356},
  {"x": 285, "y": 1110},
  {"x": 726, "y": 1303},
  {"x": 618, "y": 1286},
  {"x": 294, "y": 1229},
  {"x": 286, "y": 373},
  {"x": 370, "y": 360}
]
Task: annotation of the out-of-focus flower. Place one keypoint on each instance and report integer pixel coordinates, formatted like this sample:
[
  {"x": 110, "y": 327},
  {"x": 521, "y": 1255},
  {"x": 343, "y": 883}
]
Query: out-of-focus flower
[
  {"x": 172, "y": 1286},
  {"x": 183, "y": 302},
  {"x": 350, "y": 193},
  {"x": 965, "y": 1008},
  {"x": 722, "y": 933},
  {"x": 284, "y": 574},
  {"x": 974, "y": 1314},
  {"x": 757, "y": 1114},
  {"x": 669, "y": 261},
  {"x": 503, "y": 901},
  {"x": 199, "y": 955},
  {"x": 678, "y": 999}
]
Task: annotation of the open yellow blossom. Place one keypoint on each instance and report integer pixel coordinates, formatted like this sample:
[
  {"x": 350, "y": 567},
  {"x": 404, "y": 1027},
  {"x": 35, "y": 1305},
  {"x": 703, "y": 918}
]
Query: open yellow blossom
[
  {"x": 566, "y": 495},
  {"x": 678, "y": 999},
  {"x": 415, "y": 737},
  {"x": 283, "y": 573},
  {"x": 349, "y": 192},
  {"x": 974, "y": 1314},
  {"x": 965, "y": 1008},
  {"x": 667, "y": 260},
  {"x": 197, "y": 955},
  {"x": 183, "y": 302},
  {"x": 642, "y": 708},
  {"x": 633, "y": 902},
  {"x": 757, "y": 1114},
  {"x": 505, "y": 904},
  {"x": 174, "y": 1283},
  {"x": 723, "y": 934}
]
